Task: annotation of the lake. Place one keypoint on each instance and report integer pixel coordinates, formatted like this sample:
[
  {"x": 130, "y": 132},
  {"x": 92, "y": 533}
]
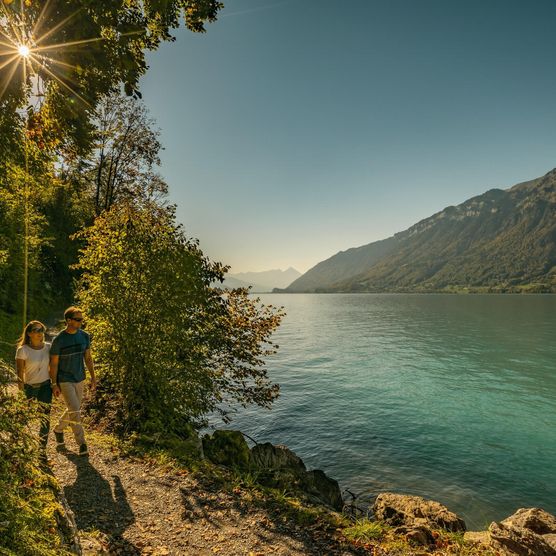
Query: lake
[{"x": 450, "y": 397}]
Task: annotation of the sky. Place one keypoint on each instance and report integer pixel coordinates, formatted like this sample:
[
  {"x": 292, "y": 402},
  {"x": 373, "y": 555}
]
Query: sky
[{"x": 295, "y": 129}]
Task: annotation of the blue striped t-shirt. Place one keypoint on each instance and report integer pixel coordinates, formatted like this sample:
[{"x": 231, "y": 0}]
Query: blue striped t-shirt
[{"x": 71, "y": 349}]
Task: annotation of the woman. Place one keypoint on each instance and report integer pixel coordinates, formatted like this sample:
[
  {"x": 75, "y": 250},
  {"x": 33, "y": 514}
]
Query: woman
[{"x": 31, "y": 360}]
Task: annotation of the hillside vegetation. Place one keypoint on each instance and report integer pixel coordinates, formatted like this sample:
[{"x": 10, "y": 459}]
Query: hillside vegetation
[{"x": 500, "y": 241}]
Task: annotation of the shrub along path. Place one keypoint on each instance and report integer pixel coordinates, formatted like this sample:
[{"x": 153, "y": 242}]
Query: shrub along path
[{"x": 130, "y": 505}]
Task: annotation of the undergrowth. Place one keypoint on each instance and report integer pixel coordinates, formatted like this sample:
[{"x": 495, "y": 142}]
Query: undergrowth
[{"x": 29, "y": 508}]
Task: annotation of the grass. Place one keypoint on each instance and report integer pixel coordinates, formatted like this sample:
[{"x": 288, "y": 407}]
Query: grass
[
  {"x": 10, "y": 326},
  {"x": 364, "y": 531}
]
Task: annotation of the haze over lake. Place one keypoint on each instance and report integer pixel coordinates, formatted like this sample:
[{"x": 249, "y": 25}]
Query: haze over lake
[{"x": 444, "y": 396}]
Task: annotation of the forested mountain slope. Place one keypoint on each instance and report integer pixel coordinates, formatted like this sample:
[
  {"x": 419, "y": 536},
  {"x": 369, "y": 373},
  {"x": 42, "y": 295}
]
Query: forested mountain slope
[{"x": 502, "y": 240}]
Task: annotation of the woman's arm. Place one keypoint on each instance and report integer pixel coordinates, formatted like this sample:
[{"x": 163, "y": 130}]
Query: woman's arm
[
  {"x": 53, "y": 372},
  {"x": 20, "y": 366}
]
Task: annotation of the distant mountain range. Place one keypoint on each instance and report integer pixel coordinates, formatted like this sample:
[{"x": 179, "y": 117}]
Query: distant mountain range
[
  {"x": 261, "y": 282},
  {"x": 500, "y": 241}
]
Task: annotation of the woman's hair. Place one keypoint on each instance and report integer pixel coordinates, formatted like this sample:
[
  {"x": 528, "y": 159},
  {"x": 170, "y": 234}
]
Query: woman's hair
[{"x": 25, "y": 339}]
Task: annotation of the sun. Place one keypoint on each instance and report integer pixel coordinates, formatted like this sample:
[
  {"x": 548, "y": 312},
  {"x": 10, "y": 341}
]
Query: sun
[
  {"x": 21, "y": 46},
  {"x": 24, "y": 50}
]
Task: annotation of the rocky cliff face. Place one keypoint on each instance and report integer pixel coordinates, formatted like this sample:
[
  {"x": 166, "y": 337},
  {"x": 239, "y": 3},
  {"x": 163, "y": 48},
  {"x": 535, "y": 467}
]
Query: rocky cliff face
[{"x": 503, "y": 240}]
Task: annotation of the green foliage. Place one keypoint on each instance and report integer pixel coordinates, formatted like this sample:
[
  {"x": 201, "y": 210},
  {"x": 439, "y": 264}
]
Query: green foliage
[
  {"x": 62, "y": 197},
  {"x": 184, "y": 450},
  {"x": 16, "y": 186},
  {"x": 105, "y": 49},
  {"x": 54, "y": 211},
  {"x": 364, "y": 531},
  {"x": 169, "y": 347},
  {"x": 28, "y": 505},
  {"x": 10, "y": 330}
]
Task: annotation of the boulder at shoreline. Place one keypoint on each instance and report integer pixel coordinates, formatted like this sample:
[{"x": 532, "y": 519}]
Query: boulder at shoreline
[
  {"x": 414, "y": 511},
  {"x": 528, "y": 532},
  {"x": 277, "y": 465}
]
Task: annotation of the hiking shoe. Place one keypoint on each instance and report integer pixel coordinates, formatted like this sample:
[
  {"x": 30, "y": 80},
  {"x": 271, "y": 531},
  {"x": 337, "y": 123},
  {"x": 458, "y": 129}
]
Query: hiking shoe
[
  {"x": 83, "y": 450},
  {"x": 59, "y": 438}
]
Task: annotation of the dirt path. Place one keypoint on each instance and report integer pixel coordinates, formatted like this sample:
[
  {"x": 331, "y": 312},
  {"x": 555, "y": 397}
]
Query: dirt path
[{"x": 129, "y": 506}]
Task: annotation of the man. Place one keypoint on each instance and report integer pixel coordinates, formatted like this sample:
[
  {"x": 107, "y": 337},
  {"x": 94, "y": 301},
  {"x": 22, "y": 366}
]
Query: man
[{"x": 69, "y": 355}]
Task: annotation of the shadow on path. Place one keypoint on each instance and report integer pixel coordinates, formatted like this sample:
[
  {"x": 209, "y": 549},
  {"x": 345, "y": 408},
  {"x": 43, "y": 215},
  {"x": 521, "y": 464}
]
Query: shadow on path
[
  {"x": 99, "y": 506},
  {"x": 274, "y": 529}
]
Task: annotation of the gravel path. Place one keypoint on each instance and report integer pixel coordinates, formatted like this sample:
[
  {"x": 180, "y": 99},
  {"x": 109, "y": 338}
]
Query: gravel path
[{"x": 128, "y": 506}]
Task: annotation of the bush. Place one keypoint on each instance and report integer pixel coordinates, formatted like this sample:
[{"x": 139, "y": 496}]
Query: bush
[
  {"x": 28, "y": 504},
  {"x": 170, "y": 348}
]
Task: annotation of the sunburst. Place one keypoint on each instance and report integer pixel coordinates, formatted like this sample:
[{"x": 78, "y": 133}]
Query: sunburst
[{"x": 25, "y": 47}]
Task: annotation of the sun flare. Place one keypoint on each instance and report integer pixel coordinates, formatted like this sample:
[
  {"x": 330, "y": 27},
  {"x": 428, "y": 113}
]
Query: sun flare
[
  {"x": 23, "y": 46},
  {"x": 24, "y": 50}
]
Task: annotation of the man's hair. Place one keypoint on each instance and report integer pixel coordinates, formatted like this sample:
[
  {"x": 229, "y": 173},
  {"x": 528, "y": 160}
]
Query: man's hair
[{"x": 70, "y": 311}]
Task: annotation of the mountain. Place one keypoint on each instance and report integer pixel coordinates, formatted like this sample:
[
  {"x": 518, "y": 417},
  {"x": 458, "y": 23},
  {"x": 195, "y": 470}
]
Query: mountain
[
  {"x": 342, "y": 266},
  {"x": 261, "y": 282},
  {"x": 231, "y": 282},
  {"x": 502, "y": 240}
]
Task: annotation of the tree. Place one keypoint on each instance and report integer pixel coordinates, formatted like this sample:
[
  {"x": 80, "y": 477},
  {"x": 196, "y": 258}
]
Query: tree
[
  {"x": 126, "y": 151},
  {"x": 80, "y": 51},
  {"x": 170, "y": 347},
  {"x": 39, "y": 212}
]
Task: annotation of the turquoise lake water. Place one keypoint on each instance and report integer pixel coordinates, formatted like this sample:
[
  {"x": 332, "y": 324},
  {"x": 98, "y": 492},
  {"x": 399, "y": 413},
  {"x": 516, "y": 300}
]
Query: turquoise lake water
[{"x": 443, "y": 396}]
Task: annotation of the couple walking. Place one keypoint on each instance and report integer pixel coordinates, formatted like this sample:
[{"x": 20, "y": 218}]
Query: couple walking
[{"x": 59, "y": 369}]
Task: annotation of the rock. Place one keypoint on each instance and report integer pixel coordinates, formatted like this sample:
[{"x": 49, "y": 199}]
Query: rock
[
  {"x": 227, "y": 447},
  {"x": 416, "y": 535},
  {"x": 282, "y": 468},
  {"x": 528, "y": 532},
  {"x": 400, "y": 509},
  {"x": 277, "y": 466},
  {"x": 518, "y": 542},
  {"x": 318, "y": 484},
  {"x": 420, "y": 536},
  {"x": 476, "y": 537},
  {"x": 534, "y": 519},
  {"x": 269, "y": 457}
]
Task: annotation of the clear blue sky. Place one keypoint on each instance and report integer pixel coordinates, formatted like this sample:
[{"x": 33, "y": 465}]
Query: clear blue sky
[{"x": 294, "y": 129}]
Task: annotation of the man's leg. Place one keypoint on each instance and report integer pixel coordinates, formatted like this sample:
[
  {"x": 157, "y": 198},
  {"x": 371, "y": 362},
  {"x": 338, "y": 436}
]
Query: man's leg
[{"x": 73, "y": 394}]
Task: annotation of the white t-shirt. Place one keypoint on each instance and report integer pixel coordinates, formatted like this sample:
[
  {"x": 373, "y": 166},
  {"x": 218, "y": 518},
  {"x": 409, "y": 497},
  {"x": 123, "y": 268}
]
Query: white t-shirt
[{"x": 36, "y": 363}]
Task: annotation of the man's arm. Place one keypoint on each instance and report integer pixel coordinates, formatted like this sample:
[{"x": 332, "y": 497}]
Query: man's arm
[
  {"x": 90, "y": 367},
  {"x": 53, "y": 372}
]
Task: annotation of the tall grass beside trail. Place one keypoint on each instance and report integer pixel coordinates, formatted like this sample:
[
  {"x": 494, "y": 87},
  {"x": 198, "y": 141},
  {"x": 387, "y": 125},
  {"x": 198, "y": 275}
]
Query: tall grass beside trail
[
  {"x": 10, "y": 329},
  {"x": 29, "y": 509}
]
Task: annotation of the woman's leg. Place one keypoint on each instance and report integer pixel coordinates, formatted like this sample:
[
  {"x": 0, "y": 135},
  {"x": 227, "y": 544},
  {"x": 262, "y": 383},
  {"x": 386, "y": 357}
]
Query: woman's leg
[
  {"x": 42, "y": 394},
  {"x": 45, "y": 397}
]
